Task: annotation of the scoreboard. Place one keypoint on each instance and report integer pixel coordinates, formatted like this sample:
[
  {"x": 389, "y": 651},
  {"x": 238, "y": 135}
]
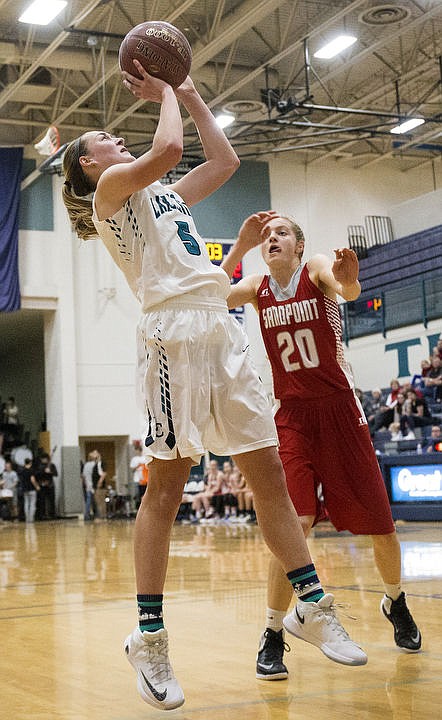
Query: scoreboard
[
  {"x": 217, "y": 252},
  {"x": 374, "y": 303}
]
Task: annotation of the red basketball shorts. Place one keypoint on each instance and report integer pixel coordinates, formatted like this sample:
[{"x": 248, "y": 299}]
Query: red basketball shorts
[{"x": 327, "y": 442}]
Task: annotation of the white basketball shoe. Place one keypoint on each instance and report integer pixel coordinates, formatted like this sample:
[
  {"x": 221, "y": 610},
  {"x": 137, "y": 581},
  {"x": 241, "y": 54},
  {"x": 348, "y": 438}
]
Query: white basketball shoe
[
  {"x": 317, "y": 623},
  {"x": 148, "y": 654}
]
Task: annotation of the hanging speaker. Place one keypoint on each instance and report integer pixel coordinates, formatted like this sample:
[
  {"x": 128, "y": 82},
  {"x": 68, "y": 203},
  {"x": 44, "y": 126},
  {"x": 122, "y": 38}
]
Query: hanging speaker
[{"x": 50, "y": 143}]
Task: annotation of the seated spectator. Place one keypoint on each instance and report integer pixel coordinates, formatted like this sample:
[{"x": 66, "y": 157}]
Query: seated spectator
[
  {"x": 437, "y": 350},
  {"x": 434, "y": 442},
  {"x": 418, "y": 379},
  {"x": 433, "y": 380},
  {"x": 373, "y": 406},
  {"x": 390, "y": 412},
  {"x": 416, "y": 412},
  {"x": 244, "y": 496},
  {"x": 185, "y": 513},
  {"x": 406, "y": 386},
  {"x": 207, "y": 502},
  {"x": 386, "y": 405},
  {"x": 397, "y": 433},
  {"x": 230, "y": 502},
  {"x": 365, "y": 402},
  {"x": 395, "y": 388}
]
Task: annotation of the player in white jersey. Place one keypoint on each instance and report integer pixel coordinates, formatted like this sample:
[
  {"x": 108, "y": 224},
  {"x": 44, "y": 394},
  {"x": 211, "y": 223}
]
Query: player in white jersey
[{"x": 198, "y": 387}]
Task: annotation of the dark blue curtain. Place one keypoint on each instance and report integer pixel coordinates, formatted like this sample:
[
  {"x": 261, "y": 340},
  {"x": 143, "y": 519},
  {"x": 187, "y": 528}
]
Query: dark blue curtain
[{"x": 10, "y": 177}]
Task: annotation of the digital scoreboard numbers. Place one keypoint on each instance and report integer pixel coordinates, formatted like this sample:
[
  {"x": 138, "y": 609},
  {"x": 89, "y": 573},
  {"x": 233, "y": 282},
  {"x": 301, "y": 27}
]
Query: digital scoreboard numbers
[
  {"x": 217, "y": 252},
  {"x": 374, "y": 303}
]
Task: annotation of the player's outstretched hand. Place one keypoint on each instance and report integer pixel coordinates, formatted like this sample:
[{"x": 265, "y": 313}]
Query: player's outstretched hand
[
  {"x": 146, "y": 88},
  {"x": 250, "y": 234},
  {"x": 346, "y": 266}
]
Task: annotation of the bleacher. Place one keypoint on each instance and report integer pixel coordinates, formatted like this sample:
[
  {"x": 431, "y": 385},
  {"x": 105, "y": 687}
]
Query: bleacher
[
  {"x": 401, "y": 279},
  {"x": 406, "y": 260}
]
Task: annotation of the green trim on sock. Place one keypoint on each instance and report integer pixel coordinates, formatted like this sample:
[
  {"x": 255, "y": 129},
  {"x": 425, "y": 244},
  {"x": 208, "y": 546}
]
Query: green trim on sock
[
  {"x": 151, "y": 628},
  {"x": 313, "y": 598}
]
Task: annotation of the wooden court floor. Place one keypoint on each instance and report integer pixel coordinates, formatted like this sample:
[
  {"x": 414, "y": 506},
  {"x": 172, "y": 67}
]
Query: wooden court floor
[{"x": 67, "y": 602}]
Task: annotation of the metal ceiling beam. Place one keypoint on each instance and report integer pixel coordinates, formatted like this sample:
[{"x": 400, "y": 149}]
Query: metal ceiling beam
[
  {"x": 357, "y": 111},
  {"x": 246, "y": 16},
  {"x": 386, "y": 40},
  {"x": 418, "y": 22},
  {"x": 29, "y": 179},
  {"x": 8, "y": 94},
  {"x": 233, "y": 26},
  {"x": 420, "y": 71},
  {"x": 268, "y": 64},
  {"x": 228, "y": 32}
]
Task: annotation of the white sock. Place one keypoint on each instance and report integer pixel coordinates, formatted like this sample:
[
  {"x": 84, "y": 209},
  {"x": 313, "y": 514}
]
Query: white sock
[
  {"x": 393, "y": 591},
  {"x": 274, "y": 619}
]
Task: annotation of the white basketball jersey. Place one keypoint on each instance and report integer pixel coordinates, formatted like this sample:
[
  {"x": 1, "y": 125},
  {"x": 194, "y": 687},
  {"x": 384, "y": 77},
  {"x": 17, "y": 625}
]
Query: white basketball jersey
[{"x": 154, "y": 241}]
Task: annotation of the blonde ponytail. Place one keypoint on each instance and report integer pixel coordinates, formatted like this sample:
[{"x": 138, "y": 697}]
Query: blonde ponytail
[
  {"x": 75, "y": 189},
  {"x": 80, "y": 213}
]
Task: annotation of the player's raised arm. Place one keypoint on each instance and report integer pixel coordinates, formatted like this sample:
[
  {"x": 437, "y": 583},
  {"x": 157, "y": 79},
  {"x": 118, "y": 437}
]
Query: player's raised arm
[
  {"x": 339, "y": 277},
  {"x": 249, "y": 236},
  {"x": 123, "y": 179},
  {"x": 244, "y": 292},
  {"x": 221, "y": 159}
]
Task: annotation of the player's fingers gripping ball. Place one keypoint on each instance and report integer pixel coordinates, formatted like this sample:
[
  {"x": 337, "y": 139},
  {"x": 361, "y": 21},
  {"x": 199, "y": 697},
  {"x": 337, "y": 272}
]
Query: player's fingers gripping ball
[{"x": 162, "y": 50}]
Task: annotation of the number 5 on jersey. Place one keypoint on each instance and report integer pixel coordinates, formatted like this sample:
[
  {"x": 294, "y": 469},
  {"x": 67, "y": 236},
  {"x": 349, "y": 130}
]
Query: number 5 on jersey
[{"x": 187, "y": 239}]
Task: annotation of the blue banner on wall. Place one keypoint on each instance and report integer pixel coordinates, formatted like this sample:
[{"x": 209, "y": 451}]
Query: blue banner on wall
[{"x": 10, "y": 176}]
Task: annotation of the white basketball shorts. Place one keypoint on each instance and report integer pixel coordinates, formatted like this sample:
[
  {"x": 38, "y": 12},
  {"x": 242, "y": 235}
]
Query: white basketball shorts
[{"x": 199, "y": 387}]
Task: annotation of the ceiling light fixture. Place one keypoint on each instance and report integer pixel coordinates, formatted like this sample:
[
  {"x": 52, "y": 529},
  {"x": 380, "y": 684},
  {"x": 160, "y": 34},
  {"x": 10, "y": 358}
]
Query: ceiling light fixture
[
  {"x": 335, "y": 46},
  {"x": 41, "y": 12},
  {"x": 223, "y": 120},
  {"x": 407, "y": 125}
]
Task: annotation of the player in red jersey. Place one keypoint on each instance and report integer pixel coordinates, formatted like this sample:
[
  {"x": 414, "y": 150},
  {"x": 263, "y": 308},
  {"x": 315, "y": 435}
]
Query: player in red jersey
[{"x": 323, "y": 433}]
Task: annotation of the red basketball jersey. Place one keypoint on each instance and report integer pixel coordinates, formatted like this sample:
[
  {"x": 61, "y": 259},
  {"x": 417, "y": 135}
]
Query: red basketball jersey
[{"x": 303, "y": 339}]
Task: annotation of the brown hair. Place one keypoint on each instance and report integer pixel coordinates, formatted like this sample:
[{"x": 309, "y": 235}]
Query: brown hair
[{"x": 76, "y": 186}]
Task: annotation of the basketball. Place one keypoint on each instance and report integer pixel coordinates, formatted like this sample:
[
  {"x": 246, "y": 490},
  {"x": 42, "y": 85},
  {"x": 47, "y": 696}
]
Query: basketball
[{"x": 162, "y": 50}]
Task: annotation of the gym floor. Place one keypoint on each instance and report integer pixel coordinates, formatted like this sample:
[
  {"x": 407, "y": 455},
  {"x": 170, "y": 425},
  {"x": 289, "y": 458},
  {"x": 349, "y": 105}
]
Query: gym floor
[{"x": 67, "y": 603}]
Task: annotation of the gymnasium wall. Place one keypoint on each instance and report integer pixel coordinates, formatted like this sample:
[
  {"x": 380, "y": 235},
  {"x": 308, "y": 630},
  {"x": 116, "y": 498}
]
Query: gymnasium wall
[
  {"x": 325, "y": 198},
  {"x": 36, "y": 206},
  {"x": 90, "y": 314},
  {"x": 417, "y": 214}
]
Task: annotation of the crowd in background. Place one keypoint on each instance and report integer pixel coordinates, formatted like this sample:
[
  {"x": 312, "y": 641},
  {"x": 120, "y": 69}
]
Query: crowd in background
[
  {"x": 410, "y": 411},
  {"x": 222, "y": 495},
  {"x": 27, "y": 492}
]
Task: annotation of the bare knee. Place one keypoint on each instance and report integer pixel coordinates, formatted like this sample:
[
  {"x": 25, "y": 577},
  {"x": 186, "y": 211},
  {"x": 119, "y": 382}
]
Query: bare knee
[
  {"x": 163, "y": 497},
  {"x": 263, "y": 470}
]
